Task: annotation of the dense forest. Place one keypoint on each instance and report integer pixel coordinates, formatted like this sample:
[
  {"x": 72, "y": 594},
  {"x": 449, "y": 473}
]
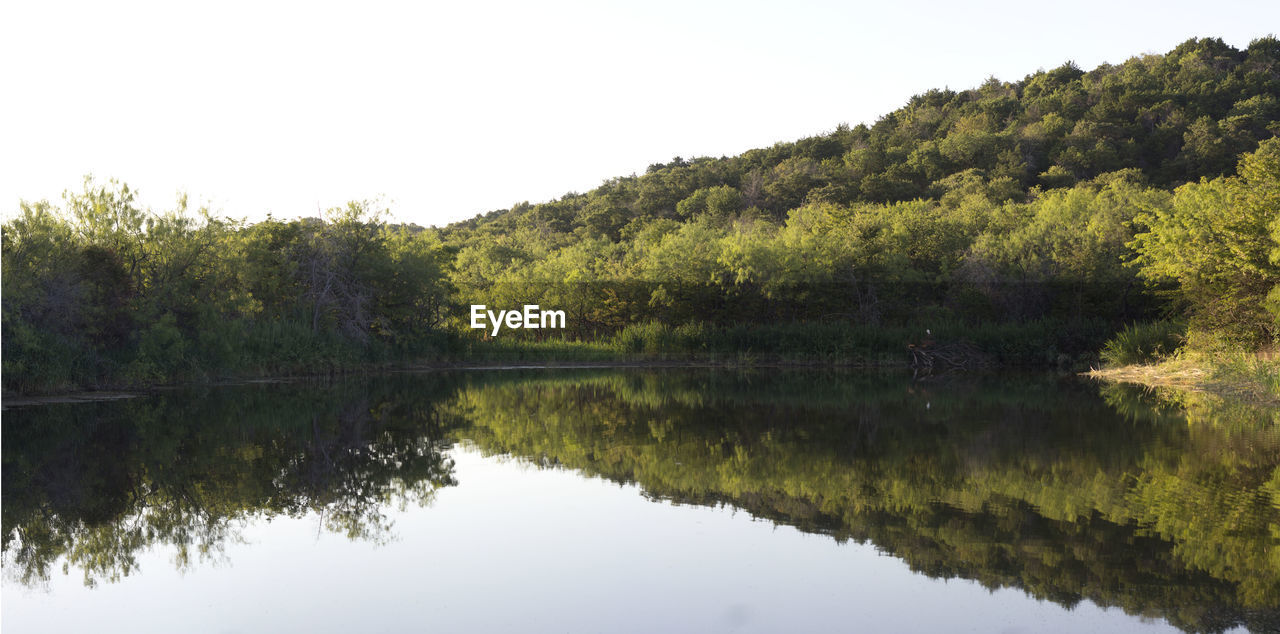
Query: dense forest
[{"x": 1031, "y": 220}]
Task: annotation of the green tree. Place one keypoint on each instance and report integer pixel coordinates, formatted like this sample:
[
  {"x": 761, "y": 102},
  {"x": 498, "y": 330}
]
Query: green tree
[{"x": 1218, "y": 241}]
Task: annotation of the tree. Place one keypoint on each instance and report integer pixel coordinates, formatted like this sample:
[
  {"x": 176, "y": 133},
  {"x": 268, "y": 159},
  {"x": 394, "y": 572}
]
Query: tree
[{"x": 1219, "y": 240}]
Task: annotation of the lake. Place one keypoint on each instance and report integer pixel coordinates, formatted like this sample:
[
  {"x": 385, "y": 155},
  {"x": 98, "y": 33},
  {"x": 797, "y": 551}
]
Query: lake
[{"x": 642, "y": 500}]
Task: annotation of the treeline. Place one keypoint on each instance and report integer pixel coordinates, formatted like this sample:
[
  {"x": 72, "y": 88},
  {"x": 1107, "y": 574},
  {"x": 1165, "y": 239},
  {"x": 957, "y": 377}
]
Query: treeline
[
  {"x": 1112, "y": 248},
  {"x": 101, "y": 290},
  {"x": 1013, "y": 201},
  {"x": 1049, "y": 212},
  {"x": 1176, "y": 117}
]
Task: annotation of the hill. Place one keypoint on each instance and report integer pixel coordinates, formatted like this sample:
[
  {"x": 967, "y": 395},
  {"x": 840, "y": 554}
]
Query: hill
[{"x": 1020, "y": 222}]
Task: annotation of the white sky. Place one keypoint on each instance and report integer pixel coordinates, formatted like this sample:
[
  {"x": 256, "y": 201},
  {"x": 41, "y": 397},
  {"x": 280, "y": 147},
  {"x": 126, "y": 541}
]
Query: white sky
[{"x": 446, "y": 110}]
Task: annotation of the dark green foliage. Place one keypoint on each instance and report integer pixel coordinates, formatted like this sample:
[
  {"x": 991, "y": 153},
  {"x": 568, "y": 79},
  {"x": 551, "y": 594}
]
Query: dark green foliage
[
  {"x": 1044, "y": 343},
  {"x": 1012, "y": 202},
  {"x": 1004, "y": 208},
  {"x": 102, "y": 292},
  {"x": 1219, "y": 241},
  {"x": 1176, "y": 117},
  {"x": 1144, "y": 343}
]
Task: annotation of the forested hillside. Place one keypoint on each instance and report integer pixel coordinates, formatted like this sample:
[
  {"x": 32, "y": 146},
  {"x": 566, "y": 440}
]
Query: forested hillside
[
  {"x": 1057, "y": 208},
  {"x": 1175, "y": 117},
  {"x": 1013, "y": 201}
]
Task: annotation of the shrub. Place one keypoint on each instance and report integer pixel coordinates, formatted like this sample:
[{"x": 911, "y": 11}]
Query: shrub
[{"x": 1144, "y": 343}]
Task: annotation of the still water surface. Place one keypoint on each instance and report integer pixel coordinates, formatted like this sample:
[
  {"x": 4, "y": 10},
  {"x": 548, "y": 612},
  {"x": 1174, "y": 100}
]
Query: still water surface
[{"x": 643, "y": 500}]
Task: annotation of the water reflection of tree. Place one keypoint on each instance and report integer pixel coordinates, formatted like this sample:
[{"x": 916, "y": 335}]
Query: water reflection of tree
[
  {"x": 1012, "y": 483},
  {"x": 93, "y": 486}
]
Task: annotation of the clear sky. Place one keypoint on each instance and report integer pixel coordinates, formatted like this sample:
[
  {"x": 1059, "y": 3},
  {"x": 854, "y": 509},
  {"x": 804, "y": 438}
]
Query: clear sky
[{"x": 445, "y": 110}]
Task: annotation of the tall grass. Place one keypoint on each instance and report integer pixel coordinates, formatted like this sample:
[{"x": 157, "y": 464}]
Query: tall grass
[
  {"x": 292, "y": 347},
  {"x": 1042, "y": 343},
  {"x": 1141, "y": 343},
  {"x": 1253, "y": 373}
]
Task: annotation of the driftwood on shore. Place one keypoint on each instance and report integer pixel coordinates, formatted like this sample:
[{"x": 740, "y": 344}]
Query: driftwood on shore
[{"x": 953, "y": 356}]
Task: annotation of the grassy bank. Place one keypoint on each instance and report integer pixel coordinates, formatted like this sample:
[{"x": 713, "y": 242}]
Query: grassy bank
[
  {"x": 1250, "y": 377},
  {"x": 1046, "y": 342},
  {"x": 284, "y": 353}
]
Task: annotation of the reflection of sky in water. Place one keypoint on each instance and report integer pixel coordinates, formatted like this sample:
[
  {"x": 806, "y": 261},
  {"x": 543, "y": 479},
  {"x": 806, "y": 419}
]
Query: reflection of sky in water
[{"x": 515, "y": 548}]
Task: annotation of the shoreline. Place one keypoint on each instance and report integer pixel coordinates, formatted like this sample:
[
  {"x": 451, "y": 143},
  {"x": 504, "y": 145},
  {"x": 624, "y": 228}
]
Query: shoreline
[
  {"x": 1241, "y": 379},
  {"x": 119, "y": 392}
]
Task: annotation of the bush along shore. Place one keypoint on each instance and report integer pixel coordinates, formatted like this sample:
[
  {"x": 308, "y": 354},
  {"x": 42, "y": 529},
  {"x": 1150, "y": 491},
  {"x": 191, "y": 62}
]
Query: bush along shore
[
  {"x": 1016, "y": 223},
  {"x": 944, "y": 347}
]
